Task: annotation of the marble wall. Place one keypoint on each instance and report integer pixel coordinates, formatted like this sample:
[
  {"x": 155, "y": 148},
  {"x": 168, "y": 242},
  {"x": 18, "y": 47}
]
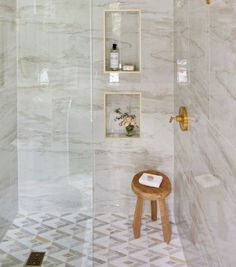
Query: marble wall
[
  {"x": 54, "y": 103},
  {"x": 8, "y": 114},
  {"x": 117, "y": 160},
  {"x": 205, "y": 157}
]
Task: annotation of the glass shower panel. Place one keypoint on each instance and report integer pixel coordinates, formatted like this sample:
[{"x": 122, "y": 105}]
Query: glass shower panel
[
  {"x": 205, "y": 156},
  {"x": 54, "y": 106},
  {"x": 8, "y": 115}
]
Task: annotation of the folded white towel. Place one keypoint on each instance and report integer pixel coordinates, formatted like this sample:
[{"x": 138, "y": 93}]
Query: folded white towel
[{"x": 151, "y": 180}]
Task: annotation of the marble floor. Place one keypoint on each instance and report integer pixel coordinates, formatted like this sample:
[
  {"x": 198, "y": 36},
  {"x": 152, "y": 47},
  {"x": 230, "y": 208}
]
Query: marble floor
[{"x": 80, "y": 240}]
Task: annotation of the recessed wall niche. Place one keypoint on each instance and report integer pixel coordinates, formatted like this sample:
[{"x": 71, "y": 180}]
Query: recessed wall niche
[
  {"x": 123, "y": 27},
  {"x": 122, "y": 114}
]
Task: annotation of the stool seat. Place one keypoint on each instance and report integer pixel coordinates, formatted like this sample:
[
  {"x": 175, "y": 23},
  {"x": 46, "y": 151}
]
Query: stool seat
[
  {"x": 151, "y": 193},
  {"x": 144, "y": 192}
]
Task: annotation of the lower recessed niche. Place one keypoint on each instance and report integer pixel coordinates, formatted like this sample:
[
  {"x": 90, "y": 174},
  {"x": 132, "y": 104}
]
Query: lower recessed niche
[{"x": 122, "y": 115}]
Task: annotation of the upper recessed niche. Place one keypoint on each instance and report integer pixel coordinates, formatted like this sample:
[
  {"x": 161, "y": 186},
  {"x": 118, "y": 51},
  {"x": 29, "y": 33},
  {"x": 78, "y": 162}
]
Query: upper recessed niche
[{"x": 123, "y": 27}]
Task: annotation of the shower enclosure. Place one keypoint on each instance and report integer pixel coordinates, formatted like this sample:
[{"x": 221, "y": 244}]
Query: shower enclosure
[{"x": 71, "y": 159}]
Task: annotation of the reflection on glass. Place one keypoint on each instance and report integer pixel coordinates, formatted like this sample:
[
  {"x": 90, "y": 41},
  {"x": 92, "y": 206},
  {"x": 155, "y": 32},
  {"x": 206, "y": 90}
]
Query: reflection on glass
[
  {"x": 182, "y": 71},
  {"x": 43, "y": 77}
]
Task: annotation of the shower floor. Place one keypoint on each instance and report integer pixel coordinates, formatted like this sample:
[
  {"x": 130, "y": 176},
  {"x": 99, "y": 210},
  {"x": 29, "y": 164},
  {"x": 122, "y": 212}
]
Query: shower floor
[{"x": 80, "y": 240}]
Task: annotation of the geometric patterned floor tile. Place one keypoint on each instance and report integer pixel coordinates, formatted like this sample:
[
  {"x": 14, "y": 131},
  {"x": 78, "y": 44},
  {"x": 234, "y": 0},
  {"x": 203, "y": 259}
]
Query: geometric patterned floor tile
[{"x": 78, "y": 240}]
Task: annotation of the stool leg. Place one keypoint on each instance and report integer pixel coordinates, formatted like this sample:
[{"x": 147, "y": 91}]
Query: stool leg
[
  {"x": 137, "y": 217},
  {"x": 165, "y": 221},
  {"x": 154, "y": 210}
]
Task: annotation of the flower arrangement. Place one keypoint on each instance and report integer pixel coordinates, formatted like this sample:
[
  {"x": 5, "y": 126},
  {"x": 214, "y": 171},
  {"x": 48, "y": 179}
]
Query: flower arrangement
[{"x": 127, "y": 120}]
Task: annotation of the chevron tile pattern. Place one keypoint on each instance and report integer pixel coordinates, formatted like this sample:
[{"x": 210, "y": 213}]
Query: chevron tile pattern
[{"x": 84, "y": 241}]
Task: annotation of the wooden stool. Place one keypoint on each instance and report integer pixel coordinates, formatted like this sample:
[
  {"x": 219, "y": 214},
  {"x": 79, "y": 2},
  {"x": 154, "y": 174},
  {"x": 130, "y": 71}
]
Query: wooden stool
[{"x": 153, "y": 194}]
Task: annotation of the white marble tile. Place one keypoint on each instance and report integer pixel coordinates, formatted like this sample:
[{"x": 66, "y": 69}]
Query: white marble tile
[{"x": 109, "y": 241}]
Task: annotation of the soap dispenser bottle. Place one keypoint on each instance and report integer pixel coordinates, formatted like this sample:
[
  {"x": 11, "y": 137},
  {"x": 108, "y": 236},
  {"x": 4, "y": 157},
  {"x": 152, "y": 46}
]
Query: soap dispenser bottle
[{"x": 114, "y": 58}]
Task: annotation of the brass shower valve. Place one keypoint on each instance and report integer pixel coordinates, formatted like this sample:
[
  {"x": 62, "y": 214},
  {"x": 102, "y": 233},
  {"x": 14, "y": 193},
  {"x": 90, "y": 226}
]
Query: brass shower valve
[{"x": 182, "y": 118}]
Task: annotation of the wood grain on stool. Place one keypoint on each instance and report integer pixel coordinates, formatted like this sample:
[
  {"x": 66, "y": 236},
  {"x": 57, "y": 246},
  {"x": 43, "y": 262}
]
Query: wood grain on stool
[
  {"x": 152, "y": 194},
  {"x": 154, "y": 210},
  {"x": 165, "y": 221},
  {"x": 138, "y": 217}
]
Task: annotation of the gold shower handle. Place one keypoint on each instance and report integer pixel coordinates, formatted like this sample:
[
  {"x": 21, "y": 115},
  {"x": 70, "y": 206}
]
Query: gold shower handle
[
  {"x": 176, "y": 118},
  {"x": 182, "y": 118}
]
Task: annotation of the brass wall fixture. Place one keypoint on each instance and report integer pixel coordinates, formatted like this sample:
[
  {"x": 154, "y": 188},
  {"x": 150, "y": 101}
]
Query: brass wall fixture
[
  {"x": 182, "y": 119},
  {"x": 208, "y": 2}
]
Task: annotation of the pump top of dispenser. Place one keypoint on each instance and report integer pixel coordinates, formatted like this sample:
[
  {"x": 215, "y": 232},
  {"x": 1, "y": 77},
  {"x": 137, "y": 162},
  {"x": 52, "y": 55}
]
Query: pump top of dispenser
[{"x": 114, "y": 46}]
